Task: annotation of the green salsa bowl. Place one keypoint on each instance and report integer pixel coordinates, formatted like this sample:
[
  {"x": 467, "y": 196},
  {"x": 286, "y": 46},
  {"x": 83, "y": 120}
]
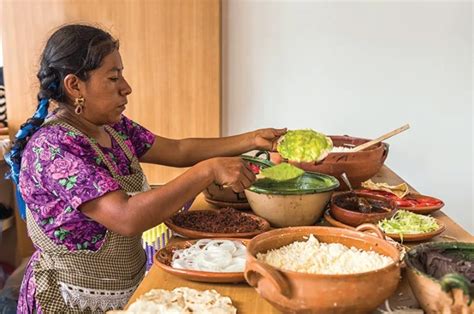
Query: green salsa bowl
[{"x": 298, "y": 202}]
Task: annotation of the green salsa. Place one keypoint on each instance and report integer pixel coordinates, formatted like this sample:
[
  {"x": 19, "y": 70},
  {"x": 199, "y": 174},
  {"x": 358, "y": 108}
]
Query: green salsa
[{"x": 282, "y": 172}]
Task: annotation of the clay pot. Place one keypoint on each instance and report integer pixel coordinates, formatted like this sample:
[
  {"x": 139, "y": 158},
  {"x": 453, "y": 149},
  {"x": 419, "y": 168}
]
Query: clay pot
[
  {"x": 358, "y": 166},
  {"x": 218, "y": 193},
  {"x": 294, "y": 292},
  {"x": 429, "y": 290},
  {"x": 293, "y": 203},
  {"x": 356, "y": 218}
]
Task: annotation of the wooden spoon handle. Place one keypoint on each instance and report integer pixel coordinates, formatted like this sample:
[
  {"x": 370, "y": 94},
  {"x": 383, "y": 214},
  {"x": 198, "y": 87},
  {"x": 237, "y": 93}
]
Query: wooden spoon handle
[{"x": 380, "y": 139}]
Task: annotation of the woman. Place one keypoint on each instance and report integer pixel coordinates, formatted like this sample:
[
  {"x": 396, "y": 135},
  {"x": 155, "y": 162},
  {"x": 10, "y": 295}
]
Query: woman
[{"x": 80, "y": 177}]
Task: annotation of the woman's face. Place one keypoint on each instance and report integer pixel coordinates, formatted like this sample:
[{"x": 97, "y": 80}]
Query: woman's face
[{"x": 105, "y": 92}]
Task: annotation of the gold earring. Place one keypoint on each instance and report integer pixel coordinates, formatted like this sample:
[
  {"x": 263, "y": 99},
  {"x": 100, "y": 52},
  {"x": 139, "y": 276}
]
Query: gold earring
[{"x": 79, "y": 105}]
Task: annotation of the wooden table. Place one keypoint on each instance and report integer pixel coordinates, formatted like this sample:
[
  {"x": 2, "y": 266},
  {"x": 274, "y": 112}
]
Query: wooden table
[{"x": 246, "y": 299}]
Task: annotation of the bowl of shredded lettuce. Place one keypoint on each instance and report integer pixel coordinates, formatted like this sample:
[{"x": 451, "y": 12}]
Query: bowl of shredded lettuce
[{"x": 408, "y": 226}]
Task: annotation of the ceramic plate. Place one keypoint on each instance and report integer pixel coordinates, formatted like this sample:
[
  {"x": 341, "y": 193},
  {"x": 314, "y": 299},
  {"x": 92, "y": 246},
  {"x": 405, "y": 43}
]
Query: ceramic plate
[
  {"x": 194, "y": 234},
  {"x": 164, "y": 257},
  {"x": 220, "y": 204},
  {"x": 406, "y": 237}
]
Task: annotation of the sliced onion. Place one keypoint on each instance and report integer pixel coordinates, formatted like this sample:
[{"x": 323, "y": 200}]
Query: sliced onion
[{"x": 211, "y": 255}]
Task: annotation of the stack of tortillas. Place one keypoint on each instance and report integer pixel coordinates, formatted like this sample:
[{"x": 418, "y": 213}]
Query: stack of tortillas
[
  {"x": 400, "y": 190},
  {"x": 181, "y": 300}
]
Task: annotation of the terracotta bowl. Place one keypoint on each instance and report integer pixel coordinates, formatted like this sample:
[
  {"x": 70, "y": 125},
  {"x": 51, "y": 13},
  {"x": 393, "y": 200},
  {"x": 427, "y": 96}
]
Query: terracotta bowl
[
  {"x": 164, "y": 258},
  {"x": 358, "y": 166},
  {"x": 292, "y": 203},
  {"x": 355, "y": 218},
  {"x": 217, "y": 194},
  {"x": 429, "y": 290},
  {"x": 293, "y": 292}
]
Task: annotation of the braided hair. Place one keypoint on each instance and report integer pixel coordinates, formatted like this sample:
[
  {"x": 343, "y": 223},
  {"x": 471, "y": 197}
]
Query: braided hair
[{"x": 72, "y": 49}]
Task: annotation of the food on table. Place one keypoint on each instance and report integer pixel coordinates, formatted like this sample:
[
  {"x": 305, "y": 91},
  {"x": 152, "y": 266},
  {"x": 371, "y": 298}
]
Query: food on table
[
  {"x": 405, "y": 222},
  {"x": 314, "y": 257},
  {"x": 182, "y": 300},
  {"x": 341, "y": 149},
  {"x": 304, "y": 146},
  {"x": 437, "y": 270},
  {"x": 400, "y": 190},
  {"x": 438, "y": 262},
  {"x": 361, "y": 204},
  {"x": 409, "y": 201},
  {"x": 211, "y": 256},
  {"x": 225, "y": 220},
  {"x": 282, "y": 172}
]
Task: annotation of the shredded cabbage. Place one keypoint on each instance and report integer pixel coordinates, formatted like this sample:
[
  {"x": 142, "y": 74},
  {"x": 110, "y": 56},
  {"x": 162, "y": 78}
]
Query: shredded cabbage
[
  {"x": 405, "y": 222},
  {"x": 304, "y": 146}
]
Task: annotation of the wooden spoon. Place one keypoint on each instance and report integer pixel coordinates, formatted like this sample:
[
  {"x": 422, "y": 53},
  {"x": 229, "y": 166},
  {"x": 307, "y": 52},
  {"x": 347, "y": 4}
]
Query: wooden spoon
[{"x": 380, "y": 139}]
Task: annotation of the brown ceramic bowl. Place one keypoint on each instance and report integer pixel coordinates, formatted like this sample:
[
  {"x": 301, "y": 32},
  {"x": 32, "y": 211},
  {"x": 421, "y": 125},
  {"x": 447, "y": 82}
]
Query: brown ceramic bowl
[
  {"x": 431, "y": 292},
  {"x": 195, "y": 234},
  {"x": 164, "y": 257},
  {"x": 219, "y": 194},
  {"x": 358, "y": 166},
  {"x": 296, "y": 292},
  {"x": 355, "y": 218}
]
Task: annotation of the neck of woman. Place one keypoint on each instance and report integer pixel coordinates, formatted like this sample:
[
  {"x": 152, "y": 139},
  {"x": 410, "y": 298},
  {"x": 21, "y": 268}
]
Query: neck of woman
[{"x": 81, "y": 123}]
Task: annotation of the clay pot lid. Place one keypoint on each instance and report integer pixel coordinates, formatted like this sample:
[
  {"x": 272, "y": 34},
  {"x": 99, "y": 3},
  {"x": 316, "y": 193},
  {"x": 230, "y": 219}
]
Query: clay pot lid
[{"x": 308, "y": 183}]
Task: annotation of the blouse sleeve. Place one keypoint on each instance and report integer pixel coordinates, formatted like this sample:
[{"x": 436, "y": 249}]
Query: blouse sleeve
[
  {"x": 140, "y": 138},
  {"x": 64, "y": 163}
]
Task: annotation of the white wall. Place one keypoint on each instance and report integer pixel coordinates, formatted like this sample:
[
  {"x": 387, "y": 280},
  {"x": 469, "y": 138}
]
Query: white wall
[{"x": 363, "y": 69}]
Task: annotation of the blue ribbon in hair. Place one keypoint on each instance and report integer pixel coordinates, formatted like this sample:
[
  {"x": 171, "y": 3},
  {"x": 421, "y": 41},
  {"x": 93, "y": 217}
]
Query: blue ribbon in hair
[{"x": 25, "y": 131}]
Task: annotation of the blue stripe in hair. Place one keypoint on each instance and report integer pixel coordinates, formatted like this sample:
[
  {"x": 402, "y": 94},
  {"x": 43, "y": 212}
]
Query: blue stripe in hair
[{"x": 26, "y": 131}]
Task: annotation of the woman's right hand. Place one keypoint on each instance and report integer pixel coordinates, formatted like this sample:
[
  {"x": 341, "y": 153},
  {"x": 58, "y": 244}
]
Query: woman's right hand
[{"x": 232, "y": 172}]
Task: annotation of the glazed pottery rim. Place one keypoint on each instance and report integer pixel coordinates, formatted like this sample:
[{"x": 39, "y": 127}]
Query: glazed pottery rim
[
  {"x": 414, "y": 250},
  {"x": 334, "y": 185},
  {"x": 394, "y": 263},
  {"x": 184, "y": 271}
]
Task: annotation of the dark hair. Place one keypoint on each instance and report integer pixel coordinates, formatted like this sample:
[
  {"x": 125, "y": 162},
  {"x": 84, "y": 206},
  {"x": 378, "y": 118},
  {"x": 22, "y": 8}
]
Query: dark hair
[{"x": 72, "y": 49}]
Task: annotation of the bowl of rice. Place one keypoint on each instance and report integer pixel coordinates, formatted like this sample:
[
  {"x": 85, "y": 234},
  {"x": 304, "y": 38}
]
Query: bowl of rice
[{"x": 323, "y": 269}]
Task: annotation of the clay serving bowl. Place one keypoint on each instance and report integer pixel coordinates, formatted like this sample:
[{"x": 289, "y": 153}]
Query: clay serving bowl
[
  {"x": 297, "y": 202},
  {"x": 219, "y": 195},
  {"x": 438, "y": 293},
  {"x": 294, "y": 292},
  {"x": 344, "y": 210},
  {"x": 263, "y": 226},
  {"x": 358, "y": 166},
  {"x": 164, "y": 257}
]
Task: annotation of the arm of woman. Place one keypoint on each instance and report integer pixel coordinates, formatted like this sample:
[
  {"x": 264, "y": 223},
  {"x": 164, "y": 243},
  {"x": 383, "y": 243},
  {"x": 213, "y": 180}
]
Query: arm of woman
[
  {"x": 130, "y": 216},
  {"x": 187, "y": 152}
]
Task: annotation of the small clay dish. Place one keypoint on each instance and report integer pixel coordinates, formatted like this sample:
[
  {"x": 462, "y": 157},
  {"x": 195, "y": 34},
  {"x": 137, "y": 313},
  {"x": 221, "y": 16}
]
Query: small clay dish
[
  {"x": 263, "y": 226},
  {"x": 348, "y": 208},
  {"x": 164, "y": 257}
]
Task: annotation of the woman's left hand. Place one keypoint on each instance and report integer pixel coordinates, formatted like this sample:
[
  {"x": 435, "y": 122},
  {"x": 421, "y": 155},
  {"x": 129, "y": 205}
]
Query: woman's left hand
[{"x": 266, "y": 139}]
